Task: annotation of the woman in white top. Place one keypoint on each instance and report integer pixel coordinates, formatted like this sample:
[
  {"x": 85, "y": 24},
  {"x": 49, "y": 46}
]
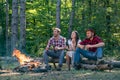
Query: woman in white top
[{"x": 72, "y": 44}]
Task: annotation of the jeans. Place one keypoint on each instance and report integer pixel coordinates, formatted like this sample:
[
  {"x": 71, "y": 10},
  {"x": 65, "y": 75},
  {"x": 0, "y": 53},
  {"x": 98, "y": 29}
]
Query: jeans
[
  {"x": 90, "y": 55},
  {"x": 54, "y": 54}
]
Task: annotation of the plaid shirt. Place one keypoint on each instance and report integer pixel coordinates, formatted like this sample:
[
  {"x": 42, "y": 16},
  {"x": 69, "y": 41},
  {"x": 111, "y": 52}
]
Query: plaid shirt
[
  {"x": 61, "y": 42},
  {"x": 95, "y": 40}
]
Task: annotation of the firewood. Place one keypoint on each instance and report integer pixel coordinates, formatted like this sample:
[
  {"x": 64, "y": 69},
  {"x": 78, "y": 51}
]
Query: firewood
[{"x": 27, "y": 64}]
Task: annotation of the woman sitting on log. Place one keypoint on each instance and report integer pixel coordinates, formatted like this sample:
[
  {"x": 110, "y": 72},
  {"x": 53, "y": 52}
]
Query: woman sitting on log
[{"x": 71, "y": 47}]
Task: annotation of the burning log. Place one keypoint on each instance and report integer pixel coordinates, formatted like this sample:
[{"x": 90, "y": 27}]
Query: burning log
[
  {"x": 27, "y": 64},
  {"x": 22, "y": 58}
]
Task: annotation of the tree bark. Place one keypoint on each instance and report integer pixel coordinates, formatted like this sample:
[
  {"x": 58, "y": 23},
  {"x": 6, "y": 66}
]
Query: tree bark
[
  {"x": 71, "y": 18},
  {"x": 115, "y": 64},
  {"x": 90, "y": 10},
  {"x": 58, "y": 9},
  {"x": 7, "y": 27},
  {"x": 96, "y": 67},
  {"x": 108, "y": 22},
  {"x": 115, "y": 2},
  {"x": 2, "y": 29},
  {"x": 104, "y": 64},
  {"x": 83, "y": 15},
  {"x": 22, "y": 25},
  {"x": 14, "y": 25}
]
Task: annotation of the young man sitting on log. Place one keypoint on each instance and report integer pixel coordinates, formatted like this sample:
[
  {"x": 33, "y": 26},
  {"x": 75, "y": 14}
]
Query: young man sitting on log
[
  {"x": 55, "y": 48},
  {"x": 91, "y": 48}
]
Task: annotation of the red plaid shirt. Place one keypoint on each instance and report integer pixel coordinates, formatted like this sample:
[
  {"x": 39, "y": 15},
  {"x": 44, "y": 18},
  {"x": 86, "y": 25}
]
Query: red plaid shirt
[
  {"x": 61, "y": 42},
  {"x": 95, "y": 40}
]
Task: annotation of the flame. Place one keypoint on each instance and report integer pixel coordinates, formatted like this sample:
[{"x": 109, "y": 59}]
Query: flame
[{"x": 24, "y": 60}]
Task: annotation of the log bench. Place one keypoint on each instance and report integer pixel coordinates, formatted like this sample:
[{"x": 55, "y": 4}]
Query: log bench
[
  {"x": 99, "y": 64},
  {"x": 86, "y": 64},
  {"x": 56, "y": 60},
  {"x": 96, "y": 65}
]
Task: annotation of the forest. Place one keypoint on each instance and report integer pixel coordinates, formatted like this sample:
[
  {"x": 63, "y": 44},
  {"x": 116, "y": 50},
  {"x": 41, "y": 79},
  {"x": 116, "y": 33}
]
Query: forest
[{"x": 27, "y": 24}]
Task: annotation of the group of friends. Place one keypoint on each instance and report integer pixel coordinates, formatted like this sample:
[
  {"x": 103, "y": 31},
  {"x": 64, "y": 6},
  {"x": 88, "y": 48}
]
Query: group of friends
[{"x": 74, "y": 48}]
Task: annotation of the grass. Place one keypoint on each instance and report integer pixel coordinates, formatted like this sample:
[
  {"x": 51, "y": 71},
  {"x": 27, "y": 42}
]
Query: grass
[{"x": 58, "y": 75}]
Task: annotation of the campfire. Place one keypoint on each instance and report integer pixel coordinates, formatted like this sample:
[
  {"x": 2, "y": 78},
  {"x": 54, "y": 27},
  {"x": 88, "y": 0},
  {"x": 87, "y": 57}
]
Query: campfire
[{"x": 27, "y": 63}]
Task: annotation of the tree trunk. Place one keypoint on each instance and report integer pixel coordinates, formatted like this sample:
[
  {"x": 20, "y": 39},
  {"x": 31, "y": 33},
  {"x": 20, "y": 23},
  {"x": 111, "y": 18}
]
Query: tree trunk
[
  {"x": 14, "y": 25},
  {"x": 2, "y": 29},
  {"x": 22, "y": 25},
  {"x": 58, "y": 13},
  {"x": 115, "y": 2},
  {"x": 71, "y": 18},
  {"x": 7, "y": 25},
  {"x": 108, "y": 16},
  {"x": 83, "y": 15},
  {"x": 90, "y": 10},
  {"x": 108, "y": 22}
]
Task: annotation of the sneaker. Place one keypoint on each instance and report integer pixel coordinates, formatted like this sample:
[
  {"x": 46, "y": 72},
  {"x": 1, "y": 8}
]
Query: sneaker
[
  {"x": 77, "y": 66},
  {"x": 59, "y": 67}
]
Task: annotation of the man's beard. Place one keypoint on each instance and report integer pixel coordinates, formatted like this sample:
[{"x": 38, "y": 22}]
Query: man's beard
[
  {"x": 89, "y": 37},
  {"x": 55, "y": 35}
]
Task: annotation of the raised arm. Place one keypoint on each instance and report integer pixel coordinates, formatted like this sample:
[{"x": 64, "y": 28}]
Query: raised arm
[{"x": 101, "y": 44}]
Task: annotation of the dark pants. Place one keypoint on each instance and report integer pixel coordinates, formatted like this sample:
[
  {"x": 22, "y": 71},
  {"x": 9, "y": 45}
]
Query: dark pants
[
  {"x": 90, "y": 55},
  {"x": 54, "y": 54}
]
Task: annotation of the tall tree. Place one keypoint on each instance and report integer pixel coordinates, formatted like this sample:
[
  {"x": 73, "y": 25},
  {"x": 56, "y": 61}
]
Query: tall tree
[
  {"x": 14, "y": 25},
  {"x": 108, "y": 21},
  {"x": 90, "y": 10},
  {"x": 22, "y": 25},
  {"x": 58, "y": 9},
  {"x": 2, "y": 27},
  {"x": 71, "y": 18},
  {"x": 83, "y": 14},
  {"x": 108, "y": 16},
  {"x": 7, "y": 27}
]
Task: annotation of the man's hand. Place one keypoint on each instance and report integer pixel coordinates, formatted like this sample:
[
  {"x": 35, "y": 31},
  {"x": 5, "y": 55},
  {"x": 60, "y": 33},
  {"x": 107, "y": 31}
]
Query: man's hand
[
  {"x": 96, "y": 45},
  {"x": 47, "y": 49},
  {"x": 88, "y": 46},
  {"x": 57, "y": 48},
  {"x": 80, "y": 46}
]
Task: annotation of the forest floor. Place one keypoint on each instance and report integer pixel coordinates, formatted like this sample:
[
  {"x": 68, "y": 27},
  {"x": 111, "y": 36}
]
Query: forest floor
[{"x": 8, "y": 74}]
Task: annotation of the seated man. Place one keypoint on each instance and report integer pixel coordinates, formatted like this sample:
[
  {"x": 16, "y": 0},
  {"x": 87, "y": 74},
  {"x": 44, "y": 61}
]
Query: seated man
[
  {"x": 89, "y": 48},
  {"x": 58, "y": 44}
]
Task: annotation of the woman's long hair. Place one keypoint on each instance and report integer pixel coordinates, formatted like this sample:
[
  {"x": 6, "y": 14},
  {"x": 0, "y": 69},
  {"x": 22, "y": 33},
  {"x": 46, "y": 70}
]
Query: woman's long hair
[{"x": 77, "y": 37}]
